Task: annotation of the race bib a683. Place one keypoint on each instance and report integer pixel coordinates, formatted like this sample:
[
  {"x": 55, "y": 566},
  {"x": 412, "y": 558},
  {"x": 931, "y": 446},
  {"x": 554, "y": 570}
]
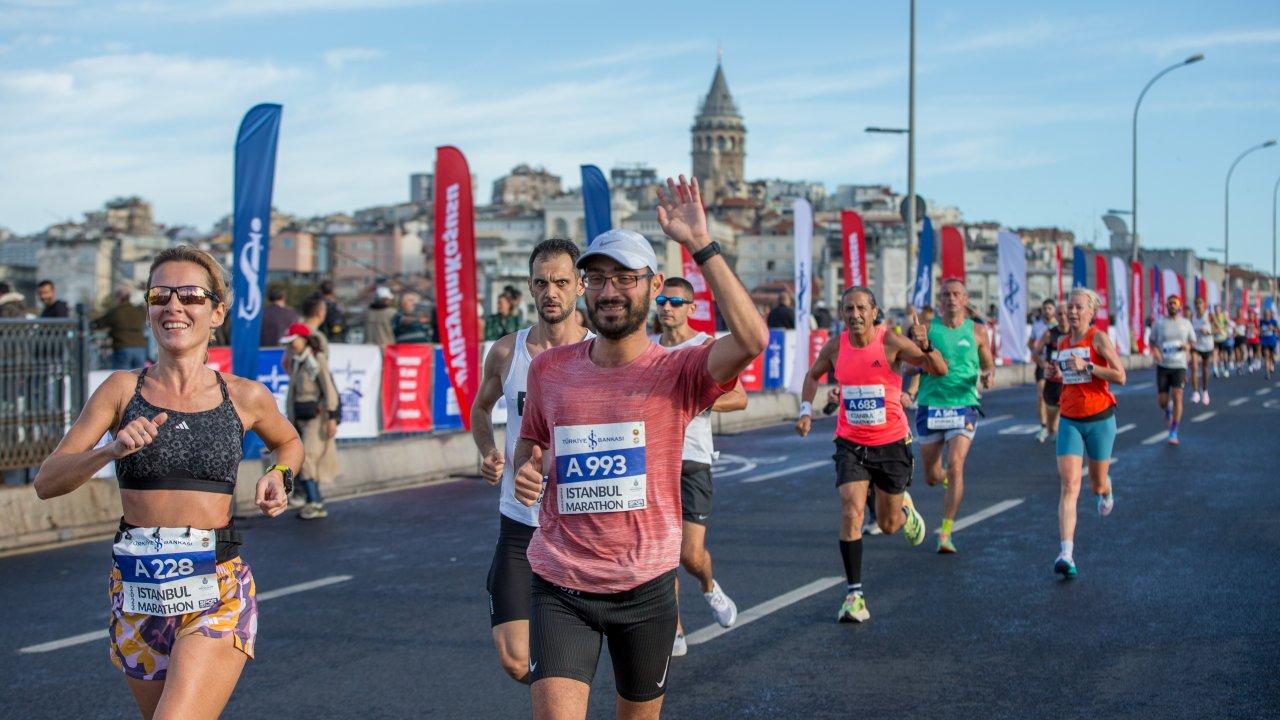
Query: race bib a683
[{"x": 600, "y": 468}]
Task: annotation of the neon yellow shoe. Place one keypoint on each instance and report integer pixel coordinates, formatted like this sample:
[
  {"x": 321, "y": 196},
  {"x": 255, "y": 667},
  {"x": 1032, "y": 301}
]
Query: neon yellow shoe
[
  {"x": 914, "y": 528},
  {"x": 945, "y": 546},
  {"x": 854, "y": 609}
]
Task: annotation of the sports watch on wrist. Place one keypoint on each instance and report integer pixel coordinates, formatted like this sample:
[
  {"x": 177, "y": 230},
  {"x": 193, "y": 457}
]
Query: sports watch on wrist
[
  {"x": 287, "y": 473},
  {"x": 707, "y": 253}
]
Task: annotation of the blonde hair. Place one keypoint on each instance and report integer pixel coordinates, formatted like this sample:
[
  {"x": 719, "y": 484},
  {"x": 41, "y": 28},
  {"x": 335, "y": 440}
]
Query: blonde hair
[
  {"x": 187, "y": 253},
  {"x": 1095, "y": 302}
]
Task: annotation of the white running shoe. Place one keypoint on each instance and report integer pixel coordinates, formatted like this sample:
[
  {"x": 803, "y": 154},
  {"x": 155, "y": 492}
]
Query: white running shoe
[
  {"x": 1204, "y": 398},
  {"x": 1042, "y": 435},
  {"x": 1106, "y": 503},
  {"x": 679, "y": 648},
  {"x": 722, "y": 608},
  {"x": 1195, "y": 396}
]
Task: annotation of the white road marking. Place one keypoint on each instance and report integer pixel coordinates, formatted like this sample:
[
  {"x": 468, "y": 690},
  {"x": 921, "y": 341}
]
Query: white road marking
[
  {"x": 981, "y": 515},
  {"x": 1027, "y": 429},
  {"x": 1239, "y": 401},
  {"x": 1141, "y": 386},
  {"x": 773, "y": 605},
  {"x": 788, "y": 471},
  {"x": 996, "y": 419},
  {"x": 102, "y": 634},
  {"x": 1262, "y": 391},
  {"x": 1158, "y": 437},
  {"x": 750, "y": 615},
  {"x": 1125, "y": 428},
  {"x": 1204, "y": 416}
]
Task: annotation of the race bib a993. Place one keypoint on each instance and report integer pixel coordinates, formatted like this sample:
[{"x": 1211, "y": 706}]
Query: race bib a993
[{"x": 600, "y": 468}]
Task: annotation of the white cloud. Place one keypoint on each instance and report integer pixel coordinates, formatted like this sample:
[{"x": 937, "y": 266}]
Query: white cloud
[
  {"x": 1206, "y": 41},
  {"x": 339, "y": 58},
  {"x": 633, "y": 55},
  {"x": 186, "y": 11}
]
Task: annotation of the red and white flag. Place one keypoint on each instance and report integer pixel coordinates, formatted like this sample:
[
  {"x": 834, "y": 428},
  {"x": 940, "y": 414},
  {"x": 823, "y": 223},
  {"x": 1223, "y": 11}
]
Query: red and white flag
[
  {"x": 855, "y": 249},
  {"x": 456, "y": 298},
  {"x": 703, "y": 317}
]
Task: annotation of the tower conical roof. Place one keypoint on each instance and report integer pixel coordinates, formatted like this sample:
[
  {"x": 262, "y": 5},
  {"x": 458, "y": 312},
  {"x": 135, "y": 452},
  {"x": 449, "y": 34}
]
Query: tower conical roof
[{"x": 719, "y": 101}]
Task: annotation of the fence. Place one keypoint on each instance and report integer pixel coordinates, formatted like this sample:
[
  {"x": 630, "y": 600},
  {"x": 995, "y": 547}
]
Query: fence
[{"x": 43, "y": 366}]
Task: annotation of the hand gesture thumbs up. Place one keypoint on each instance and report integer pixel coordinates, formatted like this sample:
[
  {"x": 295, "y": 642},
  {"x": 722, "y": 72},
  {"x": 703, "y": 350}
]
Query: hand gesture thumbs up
[{"x": 529, "y": 479}]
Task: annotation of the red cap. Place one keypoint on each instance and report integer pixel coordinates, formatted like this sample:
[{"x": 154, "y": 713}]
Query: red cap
[{"x": 296, "y": 330}]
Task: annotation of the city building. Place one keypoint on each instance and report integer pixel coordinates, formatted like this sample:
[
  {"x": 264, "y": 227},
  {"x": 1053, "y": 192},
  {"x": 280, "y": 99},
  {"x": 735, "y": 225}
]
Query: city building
[
  {"x": 719, "y": 140},
  {"x": 526, "y": 187}
]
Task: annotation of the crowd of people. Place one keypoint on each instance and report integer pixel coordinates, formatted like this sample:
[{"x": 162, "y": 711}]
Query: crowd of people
[{"x": 605, "y": 468}]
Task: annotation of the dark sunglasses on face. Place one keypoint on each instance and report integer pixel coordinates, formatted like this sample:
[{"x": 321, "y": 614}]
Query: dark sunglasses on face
[
  {"x": 676, "y": 302},
  {"x": 160, "y": 295}
]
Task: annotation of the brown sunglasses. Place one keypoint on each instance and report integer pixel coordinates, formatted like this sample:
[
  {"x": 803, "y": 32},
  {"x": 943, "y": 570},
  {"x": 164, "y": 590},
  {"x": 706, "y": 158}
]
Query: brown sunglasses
[{"x": 160, "y": 295}]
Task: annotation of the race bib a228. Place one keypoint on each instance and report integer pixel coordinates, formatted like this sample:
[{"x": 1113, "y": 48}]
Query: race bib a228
[{"x": 600, "y": 468}]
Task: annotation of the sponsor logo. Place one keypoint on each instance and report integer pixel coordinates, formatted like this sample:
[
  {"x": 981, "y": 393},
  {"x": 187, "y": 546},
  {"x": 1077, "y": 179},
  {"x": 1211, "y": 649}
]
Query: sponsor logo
[
  {"x": 665, "y": 668},
  {"x": 182, "y": 426},
  {"x": 455, "y": 339},
  {"x": 876, "y": 363},
  {"x": 249, "y": 262}
]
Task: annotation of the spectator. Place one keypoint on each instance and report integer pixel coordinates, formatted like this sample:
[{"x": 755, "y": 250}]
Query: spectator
[
  {"x": 53, "y": 307},
  {"x": 276, "y": 317},
  {"x": 377, "y": 322},
  {"x": 413, "y": 323},
  {"x": 516, "y": 297},
  {"x": 314, "y": 313},
  {"x": 783, "y": 315},
  {"x": 313, "y": 408},
  {"x": 12, "y": 304},
  {"x": 503, "y": 322},
  {"x": 335, "y": 318},
  {"x": 125, "y": 324},
  {"x": 821, "y": 315}
]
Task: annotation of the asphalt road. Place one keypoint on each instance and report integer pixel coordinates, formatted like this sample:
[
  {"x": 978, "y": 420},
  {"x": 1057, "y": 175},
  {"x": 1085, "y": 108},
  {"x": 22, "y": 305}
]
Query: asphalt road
[{"x": 1175, "y": 614}]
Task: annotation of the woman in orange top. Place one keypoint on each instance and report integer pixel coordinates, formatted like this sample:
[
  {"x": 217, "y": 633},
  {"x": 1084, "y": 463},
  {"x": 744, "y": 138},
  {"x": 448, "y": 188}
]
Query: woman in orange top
[{"x": 1087, "y": 363}]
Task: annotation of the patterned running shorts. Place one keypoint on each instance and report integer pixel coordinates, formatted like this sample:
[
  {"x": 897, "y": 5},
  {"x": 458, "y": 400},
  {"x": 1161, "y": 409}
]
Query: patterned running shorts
[{"x": 140, "y": 644}]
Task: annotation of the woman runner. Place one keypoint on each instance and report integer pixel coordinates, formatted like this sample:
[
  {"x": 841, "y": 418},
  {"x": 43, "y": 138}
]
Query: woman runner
[{"x": 183, "y": 610}]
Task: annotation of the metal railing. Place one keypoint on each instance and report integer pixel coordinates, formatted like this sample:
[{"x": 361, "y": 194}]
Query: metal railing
[{"x": 43, "y": 367}]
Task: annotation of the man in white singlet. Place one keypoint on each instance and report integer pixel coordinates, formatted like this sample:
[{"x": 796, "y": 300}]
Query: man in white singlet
[
  {"x": 556, "y": 285},
  {"x": 675, "y": 305}
]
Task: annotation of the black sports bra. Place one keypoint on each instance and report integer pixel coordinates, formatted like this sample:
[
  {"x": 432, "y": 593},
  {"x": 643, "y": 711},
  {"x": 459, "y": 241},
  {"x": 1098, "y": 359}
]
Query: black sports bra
[{"x": 193, "y": 451}]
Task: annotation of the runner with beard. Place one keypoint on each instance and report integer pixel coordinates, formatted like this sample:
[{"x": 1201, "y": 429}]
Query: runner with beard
[
  {"x": 873, "y": 441},
  {"x": 555, "y": 286},
  {"x": 610, "y": 415}
]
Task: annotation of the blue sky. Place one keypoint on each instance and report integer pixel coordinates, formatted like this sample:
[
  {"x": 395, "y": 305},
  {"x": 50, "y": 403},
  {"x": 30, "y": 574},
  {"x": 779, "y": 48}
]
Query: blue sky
[{"x": 1024, "y": 108}]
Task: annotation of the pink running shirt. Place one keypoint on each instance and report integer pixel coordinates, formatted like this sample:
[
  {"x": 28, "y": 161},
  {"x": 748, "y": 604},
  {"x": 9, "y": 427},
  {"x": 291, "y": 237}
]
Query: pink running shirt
[
  {"x": 870, "y": 394},
  {"x": 610, "y": 517}
]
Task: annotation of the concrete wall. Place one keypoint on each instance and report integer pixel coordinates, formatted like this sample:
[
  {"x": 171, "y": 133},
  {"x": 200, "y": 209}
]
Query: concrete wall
[{"x": 94, "y": 510}]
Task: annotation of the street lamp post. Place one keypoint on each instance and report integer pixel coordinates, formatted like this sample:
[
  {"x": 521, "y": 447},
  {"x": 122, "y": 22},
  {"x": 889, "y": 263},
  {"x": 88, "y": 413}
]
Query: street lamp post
[
  {"x": 1226, "y": 220},
  {"x": 911, "y": 157},
  {"x": 1134, "y": 200}
]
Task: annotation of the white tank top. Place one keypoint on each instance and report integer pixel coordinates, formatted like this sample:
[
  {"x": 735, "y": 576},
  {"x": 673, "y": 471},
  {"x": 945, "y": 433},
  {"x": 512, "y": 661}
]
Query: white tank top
[
  {"x": 514, "y": 386},
  {"x": 698, "y": 445}
]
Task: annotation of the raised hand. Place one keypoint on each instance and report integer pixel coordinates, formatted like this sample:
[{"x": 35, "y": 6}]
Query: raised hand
[
  {"x": 529, "y": 479},
  {"x": 918, "y": 333},
  {"x": 681, "y": 215},
  {"x": 491, "y": 467},
  {"x": 138, "y": 434}
]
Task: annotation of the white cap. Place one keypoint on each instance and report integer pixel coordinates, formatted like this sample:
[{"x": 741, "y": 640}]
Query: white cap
[
  {"x": 628, "y": 247},
  {"x": 383, "y": 293}
]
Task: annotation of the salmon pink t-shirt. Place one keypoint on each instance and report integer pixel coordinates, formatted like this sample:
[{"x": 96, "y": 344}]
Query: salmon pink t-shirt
[{"x": 610, "y": 516}]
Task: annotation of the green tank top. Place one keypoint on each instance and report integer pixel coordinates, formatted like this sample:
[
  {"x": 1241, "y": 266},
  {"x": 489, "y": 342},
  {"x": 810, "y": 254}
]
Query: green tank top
[{"x": 959, "y": 387}]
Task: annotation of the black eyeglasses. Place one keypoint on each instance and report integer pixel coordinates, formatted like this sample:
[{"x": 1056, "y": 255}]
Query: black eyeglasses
[
  {"x": 596, "y": 281},
  {"x": 676, "y": 302},
  {"x": 160, "y": 295}
]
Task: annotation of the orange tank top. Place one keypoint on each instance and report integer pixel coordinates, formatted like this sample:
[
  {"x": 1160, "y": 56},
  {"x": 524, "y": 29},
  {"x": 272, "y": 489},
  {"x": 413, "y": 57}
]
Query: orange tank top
[
  {"x": 1083, "y": 395},
  {"x": 870, "y": 394}
]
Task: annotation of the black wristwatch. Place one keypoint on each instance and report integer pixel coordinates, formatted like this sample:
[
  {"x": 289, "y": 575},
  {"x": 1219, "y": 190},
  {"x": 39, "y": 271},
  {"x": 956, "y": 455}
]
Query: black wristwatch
[
  {"x": 707, "y": 253},
  {"x": 287, "y": 473}
]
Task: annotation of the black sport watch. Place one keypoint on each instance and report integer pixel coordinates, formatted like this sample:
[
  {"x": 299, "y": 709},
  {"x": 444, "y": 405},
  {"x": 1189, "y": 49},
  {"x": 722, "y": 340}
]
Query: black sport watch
[{"x": 707, "y": 253}]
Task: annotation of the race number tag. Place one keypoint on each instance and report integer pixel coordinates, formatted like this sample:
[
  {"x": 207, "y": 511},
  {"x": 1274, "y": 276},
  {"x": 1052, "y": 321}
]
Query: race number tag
[
  {"x": 167, "y": 571},
  {"x": 1171, "y": 348},
  {"x": 1069, "y": 376},
  {"x": 946, "y": 418},
  {"x": 600, "y": 468},
  {"x": 863, "y": 404}
]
